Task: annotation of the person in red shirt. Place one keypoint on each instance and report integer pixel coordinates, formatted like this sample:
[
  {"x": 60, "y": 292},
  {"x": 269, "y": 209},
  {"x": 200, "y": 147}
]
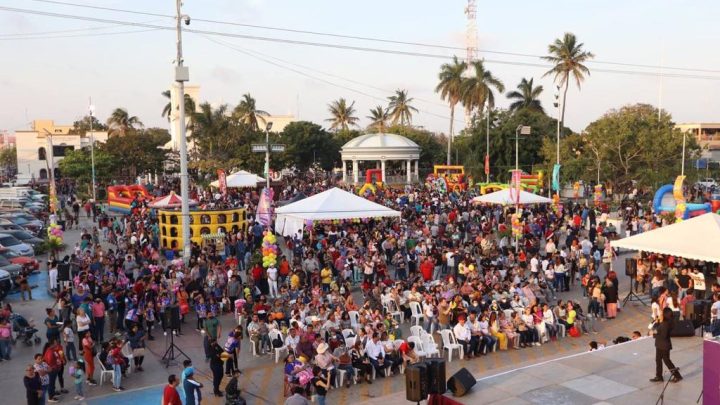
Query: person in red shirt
[
  {"x": 170, "y": 393},
  {"x": 426, "y": 268}
]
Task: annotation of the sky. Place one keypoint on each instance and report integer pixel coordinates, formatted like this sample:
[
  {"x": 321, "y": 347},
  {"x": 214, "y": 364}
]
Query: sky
[{"x": 51, "y": 66}]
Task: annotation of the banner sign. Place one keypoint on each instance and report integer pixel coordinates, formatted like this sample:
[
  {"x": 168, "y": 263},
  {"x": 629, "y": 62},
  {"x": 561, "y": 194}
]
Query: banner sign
[
  {"x": 264, "y": 208},
  {"x": 222, "y": 181},
  {"x": 515, "y": 185},
  {"x": 487, "y": 164},
  {"x": 556, "y": 178}
]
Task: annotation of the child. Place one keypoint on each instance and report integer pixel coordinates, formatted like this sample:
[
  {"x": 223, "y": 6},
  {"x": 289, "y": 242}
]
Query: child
[
  {"x": 79, "y": 378},
  {"x": 69, "y": 338}
]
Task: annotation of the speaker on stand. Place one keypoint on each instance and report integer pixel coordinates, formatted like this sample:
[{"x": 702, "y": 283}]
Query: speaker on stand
[
  {"x": 416, "y": 382},
  {"x": 172, "y": 314},
  {"x": 436, "y": 376}
]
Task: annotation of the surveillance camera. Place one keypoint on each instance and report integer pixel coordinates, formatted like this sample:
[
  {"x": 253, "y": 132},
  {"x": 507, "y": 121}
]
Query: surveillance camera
[{"x": 187, "y": 19}]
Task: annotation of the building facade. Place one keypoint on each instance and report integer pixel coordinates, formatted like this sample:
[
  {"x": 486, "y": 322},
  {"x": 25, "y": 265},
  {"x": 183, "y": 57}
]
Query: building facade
[
  {"x": 40, "y": 148},
  {"x": 707, "y": 135}
]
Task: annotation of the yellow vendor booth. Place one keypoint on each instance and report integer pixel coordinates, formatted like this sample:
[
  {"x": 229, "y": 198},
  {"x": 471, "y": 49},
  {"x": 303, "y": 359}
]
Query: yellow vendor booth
[{"x": 205, "y": 222}]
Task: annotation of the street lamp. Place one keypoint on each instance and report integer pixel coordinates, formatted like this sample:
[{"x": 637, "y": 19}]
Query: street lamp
[
  {"x": 520, "y": 130},
  {"x": 268, "y": 127},
  {"x": 182, "y": 75},
  {"x": 91, "y": 109}
]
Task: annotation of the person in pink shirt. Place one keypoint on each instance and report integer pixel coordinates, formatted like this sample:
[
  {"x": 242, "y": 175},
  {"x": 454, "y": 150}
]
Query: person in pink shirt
[{"x": 98, "y": 313}]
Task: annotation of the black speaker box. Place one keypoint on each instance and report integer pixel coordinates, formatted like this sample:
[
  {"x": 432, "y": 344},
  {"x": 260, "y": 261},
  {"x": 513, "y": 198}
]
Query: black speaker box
[
  {"x": 683, "y": 329},
  {"x": 698, "y": 311},
  {"x": 461, "y": 383},
  {"x": 630, "y": 267},
  {"x": 416, "y": 382},
  {"x": 436, "y": 376},
  {"x": 173, "y": 317}
]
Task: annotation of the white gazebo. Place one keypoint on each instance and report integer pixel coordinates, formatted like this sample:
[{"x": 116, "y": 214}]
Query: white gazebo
[{"x": 381, "y": 148}]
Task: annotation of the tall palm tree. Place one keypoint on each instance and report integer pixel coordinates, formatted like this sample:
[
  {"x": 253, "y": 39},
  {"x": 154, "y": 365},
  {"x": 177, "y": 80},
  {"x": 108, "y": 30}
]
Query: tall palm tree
[
  {"x": 526, "y": 96},
  {"x": 210, "y": 129},
  {"x": 189, "y": 105},
  {"x": 478, "y": 88},
  {"x": 568, "y": 57},
  {"x": 400, "y": 108},
  {"x": 378, "y": 117},
  {"x": 343, "y": 115},
  {"x": 450, "y": 89},
  {"x": 247, "y": 112},
  {"x": 120, "y": 122}
]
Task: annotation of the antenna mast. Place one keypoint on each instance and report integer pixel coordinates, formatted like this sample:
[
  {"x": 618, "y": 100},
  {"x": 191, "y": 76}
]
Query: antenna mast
[{"x": 471, "y": 42}]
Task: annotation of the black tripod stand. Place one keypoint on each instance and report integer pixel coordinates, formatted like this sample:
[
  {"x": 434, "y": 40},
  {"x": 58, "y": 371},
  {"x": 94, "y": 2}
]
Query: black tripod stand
[
  {"x": 170, "y": 354},
  {"x": 631, "y": 296}
]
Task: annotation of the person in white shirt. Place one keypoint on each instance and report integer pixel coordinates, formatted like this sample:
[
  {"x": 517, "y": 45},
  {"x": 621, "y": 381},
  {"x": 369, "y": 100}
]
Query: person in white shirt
[
  {"x": 463, "y": 335},
  {"x": 375, "y": 351},
  {"x": 53, "y": 275},
  {"x": 272, "y": 275},
  {"x": 534, "y": 264},
  {"x": 292, "y": 340}
]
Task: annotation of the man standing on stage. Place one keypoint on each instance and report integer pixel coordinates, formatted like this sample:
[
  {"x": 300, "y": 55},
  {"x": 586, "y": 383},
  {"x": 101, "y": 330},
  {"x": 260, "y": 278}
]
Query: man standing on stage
[{"x": 663, "y": 345}]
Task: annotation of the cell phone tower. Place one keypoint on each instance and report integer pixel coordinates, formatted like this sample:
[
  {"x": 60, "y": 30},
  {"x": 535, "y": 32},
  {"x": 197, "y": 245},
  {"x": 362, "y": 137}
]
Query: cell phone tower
[{"x": 471, "y": 42}]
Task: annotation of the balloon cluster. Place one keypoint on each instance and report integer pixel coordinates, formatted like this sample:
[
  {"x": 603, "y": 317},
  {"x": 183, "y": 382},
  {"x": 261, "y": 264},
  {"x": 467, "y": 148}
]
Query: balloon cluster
[
  {"x": 55, "y": 233},
  {"x": 598, "y": 194},
  {"x": 269, "y": 249},
  {"x": 517, "y": 226}
]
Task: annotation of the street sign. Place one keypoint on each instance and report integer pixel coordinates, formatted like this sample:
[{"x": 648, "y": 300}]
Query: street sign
[
  {"x": 259, "y": 147},
  {"x": 277, "y": 148}
]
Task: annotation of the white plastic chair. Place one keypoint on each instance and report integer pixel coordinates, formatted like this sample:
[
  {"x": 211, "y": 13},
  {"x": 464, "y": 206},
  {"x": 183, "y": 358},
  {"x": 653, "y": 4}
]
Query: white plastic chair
[
  {"x": 419, "y": 350},
  {"x": 417, "y": 330},
  {"x": 127, "y": 352},
  {"x": 354, "y": 319},
  {"x": 450, "y": 343},
  {"x": 429, "y": 346},
  {"x": 392, "y": 309},
  {"x": 416, "y": 310},
  {"x": 274, "y": 334},
  {"x": 104, "y": 371},
  {"x": 340, "y": 377},
  {"x": 350, "y": 342},
  {"x": 347, "y": 333}
]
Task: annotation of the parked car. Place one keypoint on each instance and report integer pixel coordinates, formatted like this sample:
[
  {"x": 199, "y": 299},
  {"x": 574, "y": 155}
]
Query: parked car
[
  {"x": 707, "y": 183},
  {"x": 26, "y": 221},
  {"x": 29, "y": 264},
  {"x": 5, "y": 284},
  {"x": 13, "y": 269},
  {"x": 10, "y": 242},
  {"x": 25, "y": 237}
]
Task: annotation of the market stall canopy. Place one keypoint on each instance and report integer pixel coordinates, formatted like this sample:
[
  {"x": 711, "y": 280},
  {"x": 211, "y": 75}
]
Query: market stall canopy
[
  {"x": 241, "y": 179},
  {"x": 171, "y": 200},
  {"x": 328, "y": 205},
  {"x": 696, "y": 238},
  {"x": 506, "y": 197}
]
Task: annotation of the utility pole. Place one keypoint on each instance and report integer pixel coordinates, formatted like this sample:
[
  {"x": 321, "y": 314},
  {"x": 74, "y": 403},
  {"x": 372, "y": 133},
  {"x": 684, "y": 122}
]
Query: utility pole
[
  {"x": 182, "y": 75},
  {"x": 487, "y": 142},
  {"x": 91, "y": 109}
]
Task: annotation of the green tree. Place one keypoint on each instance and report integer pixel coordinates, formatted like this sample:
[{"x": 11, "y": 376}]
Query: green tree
[
  {"x": 307, "y": 143},
  {"x": 431, "y": 147},
  {"x": 137, "y": 152},
  {"x": 189, "y": 105},
  {"x": 568, "y": 58},
  {"x": 378, "y": 117},
  {"x": 121, "y": 122},
  {"x": 8, "y": 160},
  {"x": 82, "y": 126},
  {"x": 246, "y": 112},
  {"x": 450, "y": 88},
  {"x": 526, "y": 96},
  {"x": 400, "y": 108},
  {"x": 77, "y": 165},
  {"x": 342, "y": 115},
  {"x": 478, "y": 88},
  {"x": 210, "y": 131}
]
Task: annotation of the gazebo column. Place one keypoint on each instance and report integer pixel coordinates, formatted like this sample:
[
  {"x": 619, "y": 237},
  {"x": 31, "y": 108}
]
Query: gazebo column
[
  {"x": 355, "y": 171},
  {"x": 344, "y": 171},
  {"x": 377, "y": 165},
  {"x": 417, "y": 171},
  {"x": 382, "y": 170},
  {"x": 408, "y": 171}
]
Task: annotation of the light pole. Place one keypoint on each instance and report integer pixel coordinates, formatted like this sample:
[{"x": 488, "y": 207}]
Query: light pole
[
  {"x": 182, "y": 75},
  {"x": 487, "y": 143},
  {"x": 682, "y": 169},
  {"x": 91, "y": 109},
  {"x": 268, "y": 127},
  {"x": 557, "y": 144},
  {"x": 520, "y": 130}
]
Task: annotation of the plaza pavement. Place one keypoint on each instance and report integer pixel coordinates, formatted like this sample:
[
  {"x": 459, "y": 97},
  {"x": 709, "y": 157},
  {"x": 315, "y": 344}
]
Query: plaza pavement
[{"x": 262, "y": 379}]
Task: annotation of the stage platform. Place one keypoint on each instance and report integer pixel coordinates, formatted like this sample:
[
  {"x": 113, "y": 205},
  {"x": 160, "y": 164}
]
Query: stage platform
[{"x": 618, "y": 374}]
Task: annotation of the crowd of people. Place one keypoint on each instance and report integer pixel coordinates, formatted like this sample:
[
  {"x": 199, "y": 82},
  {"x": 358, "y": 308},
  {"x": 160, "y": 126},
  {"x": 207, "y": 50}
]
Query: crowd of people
[{"x": 338, "y": 303}]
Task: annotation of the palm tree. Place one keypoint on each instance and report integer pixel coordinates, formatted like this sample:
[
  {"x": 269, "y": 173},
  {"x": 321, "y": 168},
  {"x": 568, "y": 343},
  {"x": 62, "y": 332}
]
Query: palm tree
[
  {"x": 120, "y": 122},
  {"x": 477, "y": 89},
  {"x": 450, "y": 89},
  {"x": 189, "y": 105},
  {"x": 247, "y": 113},
  {"x": 378, "y": 117},
  {"x": 526, "y": 96},
  {"x": 568, "y": 57},
  {"x": 343, "y": 115},
  {"x": 210, "y": 129},
  {"x": 400, "y": 108}
]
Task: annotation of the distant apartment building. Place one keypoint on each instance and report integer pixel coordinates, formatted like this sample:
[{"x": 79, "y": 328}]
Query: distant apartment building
[
  {"x": 707, "y": 135},
  {"x": 6, "y": 140},
  {"x": 40, "y": 148}
]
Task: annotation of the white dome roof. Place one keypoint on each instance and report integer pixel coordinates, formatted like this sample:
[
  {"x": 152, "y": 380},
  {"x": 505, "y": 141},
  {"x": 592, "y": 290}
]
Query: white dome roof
[{"x": 380, "y": 141}]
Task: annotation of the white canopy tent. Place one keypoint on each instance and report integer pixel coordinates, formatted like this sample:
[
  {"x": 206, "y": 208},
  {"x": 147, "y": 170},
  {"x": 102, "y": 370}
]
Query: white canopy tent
[
  {"x": 328, "y": 205},
  {"x": 696, "y": 238},
  {"x": 241, "y": 179},
  {"x": 507, "y": 197}
]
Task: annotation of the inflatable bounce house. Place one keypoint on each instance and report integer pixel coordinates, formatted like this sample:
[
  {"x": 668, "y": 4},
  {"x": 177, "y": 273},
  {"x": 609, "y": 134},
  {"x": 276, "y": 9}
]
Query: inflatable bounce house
[
  {"x": 670, "y": 198},
  {"x": 453, "y": 176},
  {"x": 202, "y": 223},
  {"x": 371, "y": 187},
  {"x": 532, "y": 182},
  {"x": 120, "y": 198}
]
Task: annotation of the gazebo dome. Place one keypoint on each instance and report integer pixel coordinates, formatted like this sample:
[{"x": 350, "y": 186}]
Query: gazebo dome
[{"x": 380, "y": 140}]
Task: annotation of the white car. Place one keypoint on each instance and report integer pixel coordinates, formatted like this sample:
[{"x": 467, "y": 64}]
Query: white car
[{"x": 707, "y": 183}]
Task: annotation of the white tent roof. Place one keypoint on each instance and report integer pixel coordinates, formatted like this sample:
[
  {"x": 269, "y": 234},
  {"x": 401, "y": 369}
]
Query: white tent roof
[
  {"x": 696, "y": 238},
  {"x": 504, "y": 197},
  {"x": 331, "y": 204},
  {"x": 241, "y": 179}
]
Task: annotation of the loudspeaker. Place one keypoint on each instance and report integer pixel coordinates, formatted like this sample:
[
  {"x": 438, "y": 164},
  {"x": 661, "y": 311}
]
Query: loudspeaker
[
  {"x": 461, "y": 383},
  {"x": 698, "y": 311},
  {"x": 436, "y": 376},
  {"x": 683, "y": 329},
  {"x": 416, "y": 382},
  {"x": 173, "y": 317},
  {"x": 630, "y": 267},
  {"x": 63, "y": 272}
]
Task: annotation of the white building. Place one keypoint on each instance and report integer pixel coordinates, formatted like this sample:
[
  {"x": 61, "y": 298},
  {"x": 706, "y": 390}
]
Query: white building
[{"x": 41, "y": 148}]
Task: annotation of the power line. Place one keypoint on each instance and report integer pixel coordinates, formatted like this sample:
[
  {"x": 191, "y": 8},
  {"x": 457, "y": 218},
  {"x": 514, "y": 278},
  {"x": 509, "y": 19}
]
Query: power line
[
  {"x": 341, "y": 46},
  {"x": 373, "y": 39},
  {"x": 88, "y": 35}
]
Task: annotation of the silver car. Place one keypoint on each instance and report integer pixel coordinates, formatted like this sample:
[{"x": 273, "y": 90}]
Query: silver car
[{"x": 10, "y": 242}]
